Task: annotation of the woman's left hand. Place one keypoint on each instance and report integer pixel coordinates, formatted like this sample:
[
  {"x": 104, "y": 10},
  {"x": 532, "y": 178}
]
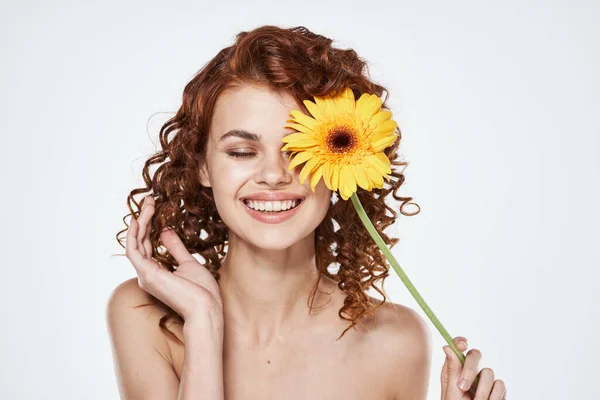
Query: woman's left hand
[{"x": 453, "y": 373}]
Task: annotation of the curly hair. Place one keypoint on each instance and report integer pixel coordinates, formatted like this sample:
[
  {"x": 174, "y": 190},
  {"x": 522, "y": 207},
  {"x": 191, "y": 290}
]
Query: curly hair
[{"x": 303, "y": 64}]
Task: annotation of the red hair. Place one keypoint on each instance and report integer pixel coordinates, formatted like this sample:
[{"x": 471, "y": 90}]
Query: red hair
[{"x": 303, "y": 64}]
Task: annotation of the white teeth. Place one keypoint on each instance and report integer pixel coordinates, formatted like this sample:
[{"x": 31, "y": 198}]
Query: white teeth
[{"x": 273, "y": 206}]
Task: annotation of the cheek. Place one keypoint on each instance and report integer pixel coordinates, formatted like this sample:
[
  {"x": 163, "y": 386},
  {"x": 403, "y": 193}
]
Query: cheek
[
  {"x": 321, "y": 192},
  {"x": 322, "y": 197},
  {"x": 229, "y": 177}
]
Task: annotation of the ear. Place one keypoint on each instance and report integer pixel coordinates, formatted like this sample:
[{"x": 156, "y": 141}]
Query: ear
[{"x": 204, "y": 176}]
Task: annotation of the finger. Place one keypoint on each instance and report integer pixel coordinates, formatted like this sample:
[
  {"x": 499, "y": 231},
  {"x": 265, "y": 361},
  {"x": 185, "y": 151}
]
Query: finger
[
  {"x": 148, "y": 246},
  {"x": 444, "y": 376},
  {"x": 469, "y": 369},
  {"x": 461, "y": 343},
  {"x": 146, "y": 269},
  {"x": 451, "y": 371},
  {"x": 150, "y": 275},
  {"x": 131, "y": 237},
  {"x": 175, "y": 246},
  {"x": 485, "y": 384},
  {"x": 498, "y": 390},
  {"x": 131, "y": 245},
  {"x": 144, "y": 219},
  {"x": 150, "y": 203}
]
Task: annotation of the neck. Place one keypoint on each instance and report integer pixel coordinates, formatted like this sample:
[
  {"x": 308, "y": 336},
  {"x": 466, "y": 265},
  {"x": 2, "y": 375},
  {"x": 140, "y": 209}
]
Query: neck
[{"x": 265, "y": 292}]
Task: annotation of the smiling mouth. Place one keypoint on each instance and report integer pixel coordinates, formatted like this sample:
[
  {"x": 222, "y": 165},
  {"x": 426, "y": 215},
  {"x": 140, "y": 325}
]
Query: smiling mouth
[{"x": 268, "y": 206}]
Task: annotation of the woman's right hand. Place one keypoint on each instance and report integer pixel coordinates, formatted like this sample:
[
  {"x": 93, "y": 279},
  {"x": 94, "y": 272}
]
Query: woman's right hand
[{"x": 191, "y": 290}]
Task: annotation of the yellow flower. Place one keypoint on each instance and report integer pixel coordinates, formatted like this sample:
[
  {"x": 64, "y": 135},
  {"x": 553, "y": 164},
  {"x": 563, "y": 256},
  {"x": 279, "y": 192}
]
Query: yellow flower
[{"x": 342, "y": 142}]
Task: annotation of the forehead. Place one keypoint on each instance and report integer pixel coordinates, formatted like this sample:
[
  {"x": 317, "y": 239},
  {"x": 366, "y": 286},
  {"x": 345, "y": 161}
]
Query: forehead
[{"x": 254, "y": 108}]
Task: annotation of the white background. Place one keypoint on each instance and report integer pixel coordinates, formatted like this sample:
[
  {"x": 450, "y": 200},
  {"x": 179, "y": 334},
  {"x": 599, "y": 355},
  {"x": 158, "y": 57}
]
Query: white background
[{"x": 498, "y": 104}]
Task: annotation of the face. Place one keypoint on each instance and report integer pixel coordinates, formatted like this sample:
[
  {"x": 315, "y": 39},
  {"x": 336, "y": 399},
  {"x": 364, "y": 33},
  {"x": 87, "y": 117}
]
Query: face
[{"x": 251, "y": 164}]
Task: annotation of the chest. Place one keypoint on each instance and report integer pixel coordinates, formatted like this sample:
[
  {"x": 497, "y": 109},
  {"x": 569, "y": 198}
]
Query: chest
[{"x": 316, "y": 368}]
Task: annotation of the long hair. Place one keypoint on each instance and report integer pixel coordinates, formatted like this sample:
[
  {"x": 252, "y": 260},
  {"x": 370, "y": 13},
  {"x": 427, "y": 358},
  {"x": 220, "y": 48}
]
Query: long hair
[{"x": 303, "y": 64}]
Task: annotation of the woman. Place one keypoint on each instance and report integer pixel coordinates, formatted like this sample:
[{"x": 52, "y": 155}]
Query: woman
[{"x": 260, "y": 315}]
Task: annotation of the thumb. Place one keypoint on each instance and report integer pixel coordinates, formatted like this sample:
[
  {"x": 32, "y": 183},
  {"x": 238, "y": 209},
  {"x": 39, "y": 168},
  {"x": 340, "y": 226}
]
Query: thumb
[{"x": 452, "y": 371}]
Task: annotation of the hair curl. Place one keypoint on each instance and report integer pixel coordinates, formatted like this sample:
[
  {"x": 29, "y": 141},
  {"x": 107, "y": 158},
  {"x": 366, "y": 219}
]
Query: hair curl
[{"x": 303, "y": 64}]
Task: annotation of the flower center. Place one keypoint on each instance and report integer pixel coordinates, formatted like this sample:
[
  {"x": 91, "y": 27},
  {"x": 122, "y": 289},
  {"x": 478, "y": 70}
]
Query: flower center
[{"x": 341, "y": 139}]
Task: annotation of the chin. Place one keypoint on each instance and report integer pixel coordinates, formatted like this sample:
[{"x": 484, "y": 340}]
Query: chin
[{"x": 276, "y": 239}]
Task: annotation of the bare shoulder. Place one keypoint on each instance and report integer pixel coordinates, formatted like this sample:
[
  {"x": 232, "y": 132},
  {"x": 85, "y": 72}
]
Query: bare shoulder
[
  {"x": 402, "y": 340},
  {"x": 130, "y": 310},
  {"x": 399, "y": 318},
  {"x": 128, "y": 292},
  {"x": 129, "y": 301},
  {"x": 141, "y": 354}
]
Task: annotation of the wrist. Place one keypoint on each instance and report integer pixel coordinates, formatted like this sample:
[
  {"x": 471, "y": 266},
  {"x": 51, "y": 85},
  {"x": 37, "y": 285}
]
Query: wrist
[{"x": 205, "y": 323}]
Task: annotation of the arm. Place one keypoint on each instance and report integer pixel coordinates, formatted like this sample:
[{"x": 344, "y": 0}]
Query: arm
[
  {"x": 141, "y": 355},
  {"x": 203, "y": 360}
]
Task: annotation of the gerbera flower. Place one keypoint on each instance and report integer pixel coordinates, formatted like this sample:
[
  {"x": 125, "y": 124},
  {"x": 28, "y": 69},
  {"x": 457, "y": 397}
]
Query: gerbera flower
[{"x": 342, "y": 142}]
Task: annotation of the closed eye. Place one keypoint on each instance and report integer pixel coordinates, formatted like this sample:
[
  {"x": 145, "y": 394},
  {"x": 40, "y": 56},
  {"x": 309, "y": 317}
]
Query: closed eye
[{"x": 236, "y": 154}]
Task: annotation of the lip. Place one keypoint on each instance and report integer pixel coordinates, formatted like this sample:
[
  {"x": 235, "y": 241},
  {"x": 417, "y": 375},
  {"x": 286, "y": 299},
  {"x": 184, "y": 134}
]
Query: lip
[
  {"x": 272, "y": 217},
  {"x": 273, "y": 196}
]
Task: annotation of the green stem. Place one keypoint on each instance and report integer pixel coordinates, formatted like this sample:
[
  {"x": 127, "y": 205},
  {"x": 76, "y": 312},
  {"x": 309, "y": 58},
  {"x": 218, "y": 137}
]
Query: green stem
[{"x": 411, "y": 288}]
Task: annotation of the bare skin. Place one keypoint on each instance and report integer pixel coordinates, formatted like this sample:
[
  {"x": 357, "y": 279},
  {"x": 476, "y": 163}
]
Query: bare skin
[
  {"x": 387, "y": 357},
  {"x": 309, "y": 363},
  {"x": 251, "y": 335}
]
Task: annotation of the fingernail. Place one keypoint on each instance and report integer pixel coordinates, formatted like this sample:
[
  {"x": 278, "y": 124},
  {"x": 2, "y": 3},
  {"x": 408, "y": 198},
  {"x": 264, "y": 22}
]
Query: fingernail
[
  {"x": 463, "y": 384},
  {"x": 463, "y": 343}
]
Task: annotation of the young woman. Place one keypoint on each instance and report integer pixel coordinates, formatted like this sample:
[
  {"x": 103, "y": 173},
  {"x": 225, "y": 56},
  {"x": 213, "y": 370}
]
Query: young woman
[{"x": 276, "y": 307}]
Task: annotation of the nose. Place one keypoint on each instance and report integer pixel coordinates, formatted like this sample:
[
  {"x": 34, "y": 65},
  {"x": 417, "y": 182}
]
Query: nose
[{"x": 273, "y": 170}]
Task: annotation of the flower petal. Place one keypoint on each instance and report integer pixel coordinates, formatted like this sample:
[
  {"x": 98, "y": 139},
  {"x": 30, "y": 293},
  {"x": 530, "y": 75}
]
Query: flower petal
[
  {"x": 348, "y": 179},
  {"x": 297, "y": 136},
  {"x": 308, "y": 168},
  {"x": 335, "y": 177},
  {"x": 324, "y": 106},
  {"x": 327, "y": 169},
  {"x": 375, "y": 177},
  {"x": 361, "y": 177},
  {"x": 344, "y": 194},
  {"x": 314, "y": 179},
  {"x": 298, "y": 141},
  {"x": 385, "y": 160},
  {"x": 383, "y": 135},
  {"x": 301, "y": 128},
  {"x": 345, "y": 102},
  {"x": 383, "y": 143},
  {"x": 348, "y": 93},
  {"x": 330, "y": 105},
  {"x": 316, "y": 111},
  {"x": 381, "y": 165},
  {"x": 300, "y": 158},
  {"x": 304, "y": 119},
  {"x": 379, "y": 118},
  {"x": 367, "y": 105},
  {"x": 387, "y": 126}
]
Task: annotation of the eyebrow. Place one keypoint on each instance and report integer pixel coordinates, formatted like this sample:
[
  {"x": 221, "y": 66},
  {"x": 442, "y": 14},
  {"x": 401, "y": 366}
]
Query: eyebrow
[
  {"x": 241, "y": 133},
  {"x": 244, "y": 134}
]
